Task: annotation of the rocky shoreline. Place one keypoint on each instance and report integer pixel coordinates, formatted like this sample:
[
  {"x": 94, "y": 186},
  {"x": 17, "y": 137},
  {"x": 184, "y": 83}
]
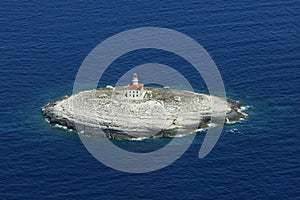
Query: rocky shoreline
[{"x": 166, "y": 113}]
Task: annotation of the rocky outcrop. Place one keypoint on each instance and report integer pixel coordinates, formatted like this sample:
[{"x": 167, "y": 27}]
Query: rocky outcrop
[{"x": 165, "y": 113}]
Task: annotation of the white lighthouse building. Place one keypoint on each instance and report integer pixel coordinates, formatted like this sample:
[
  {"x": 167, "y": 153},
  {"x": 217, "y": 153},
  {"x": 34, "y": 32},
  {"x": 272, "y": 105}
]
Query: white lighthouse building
[{"x": 135, "y": 90}]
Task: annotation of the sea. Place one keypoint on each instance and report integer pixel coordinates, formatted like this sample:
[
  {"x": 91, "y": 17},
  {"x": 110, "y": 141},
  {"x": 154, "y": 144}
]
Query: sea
[{"x": 255, "y": 45}]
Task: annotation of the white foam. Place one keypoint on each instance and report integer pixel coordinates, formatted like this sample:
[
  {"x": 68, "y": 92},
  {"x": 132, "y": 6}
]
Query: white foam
[
  {"x": 242, "y": 109},
  {"x": 200, "y": 130},
  {"x": 233, "y": 122},
  {"x": 212, "y": 125},
  {"x": 138, "y": 139},
  {"x": 60, "y": 126},
  {"x": 180, "y": 135}
]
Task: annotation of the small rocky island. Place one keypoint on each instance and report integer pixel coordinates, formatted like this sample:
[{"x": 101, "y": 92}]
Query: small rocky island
[{"x": 135, "y": 111}]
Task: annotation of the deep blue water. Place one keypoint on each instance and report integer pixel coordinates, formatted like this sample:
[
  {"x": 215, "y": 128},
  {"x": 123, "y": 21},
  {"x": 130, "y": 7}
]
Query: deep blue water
[{"x": 256, "y": 46}]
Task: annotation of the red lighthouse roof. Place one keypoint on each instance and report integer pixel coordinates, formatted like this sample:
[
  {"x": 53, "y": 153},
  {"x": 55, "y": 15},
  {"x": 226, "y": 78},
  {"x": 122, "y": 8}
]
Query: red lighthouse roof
[{"x": 135, "y": 87}]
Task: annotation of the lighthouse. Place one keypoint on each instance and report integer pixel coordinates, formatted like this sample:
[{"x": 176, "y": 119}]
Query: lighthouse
[{"x": 135, "y": 90}]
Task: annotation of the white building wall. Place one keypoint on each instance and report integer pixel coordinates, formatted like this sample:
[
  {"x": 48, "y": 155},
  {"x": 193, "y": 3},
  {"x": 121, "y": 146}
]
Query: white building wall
[{"x": 134, "y": 94}]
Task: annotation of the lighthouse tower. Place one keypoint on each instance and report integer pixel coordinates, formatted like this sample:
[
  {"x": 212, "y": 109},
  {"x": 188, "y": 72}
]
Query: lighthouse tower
[{"x": 135, "y": 80}]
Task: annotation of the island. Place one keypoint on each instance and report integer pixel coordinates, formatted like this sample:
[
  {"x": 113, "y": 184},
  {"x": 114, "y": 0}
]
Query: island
[{"x": 135, "y": 111}]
